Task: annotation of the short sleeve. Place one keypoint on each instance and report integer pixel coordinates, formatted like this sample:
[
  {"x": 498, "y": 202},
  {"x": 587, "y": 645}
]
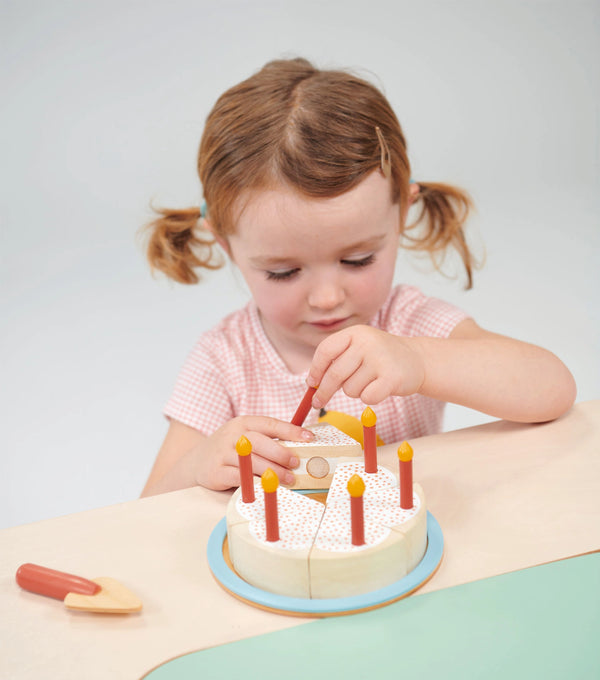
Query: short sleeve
[
  {"x": 411, "y": 313},
  {"x": 200, "y": 397}
]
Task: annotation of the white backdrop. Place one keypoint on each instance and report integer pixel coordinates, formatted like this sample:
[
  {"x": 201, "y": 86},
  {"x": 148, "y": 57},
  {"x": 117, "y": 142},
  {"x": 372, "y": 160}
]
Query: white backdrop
[{"x": 101, "y": 110}]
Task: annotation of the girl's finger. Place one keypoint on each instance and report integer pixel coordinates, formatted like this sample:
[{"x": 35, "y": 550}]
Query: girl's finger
[
  {"x": 375, "y": 392},
  {"x": 262, "y": 458},
  {"x": 279, "y": 429},
  {"x": 272, "y": 451},
  {"x": 325, "y": 354},
  {"x": 359, "y": 381},
  {"x": 336, "y": 375},
  {"x": 260, "y": 465},
  {"x": 229, "y": 476}
]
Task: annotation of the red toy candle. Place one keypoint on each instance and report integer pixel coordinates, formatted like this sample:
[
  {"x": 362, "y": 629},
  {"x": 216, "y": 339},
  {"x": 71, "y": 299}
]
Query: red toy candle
[
  {"x": 270, "y": 482},
  {"x": 305, "y": 406},
  {"x": 244, "y": 449},
  {"x": 356, "y": 489},
  {"x": 368, "y": 420},
  {"x": 405, "y": 455}
]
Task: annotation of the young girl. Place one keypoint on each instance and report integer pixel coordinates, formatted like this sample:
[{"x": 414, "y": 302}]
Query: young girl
[{"x": 307, "y": 187}]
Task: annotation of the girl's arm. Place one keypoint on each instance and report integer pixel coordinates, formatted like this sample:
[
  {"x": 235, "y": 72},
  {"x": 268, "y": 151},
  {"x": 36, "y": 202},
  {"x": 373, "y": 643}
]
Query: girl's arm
[
  {"x": 492, "y": 373},
  {"x": 189, "y": 458},
  {"x": 495, "y": 374},
  {"x": 172, "y": 468}
]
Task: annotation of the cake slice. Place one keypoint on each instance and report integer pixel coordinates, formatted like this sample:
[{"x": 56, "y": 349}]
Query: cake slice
[
  {"x": 395, "y": 539},
  {"x": 282, "y": 566},
  {"x": 319, "y": 458}
]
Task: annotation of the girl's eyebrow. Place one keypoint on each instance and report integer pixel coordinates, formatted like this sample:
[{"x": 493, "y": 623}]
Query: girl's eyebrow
[
  {"x": 277, "y": 261},
  {"x": 266, "y": 261},
  {"x": 366, "y": 244}
]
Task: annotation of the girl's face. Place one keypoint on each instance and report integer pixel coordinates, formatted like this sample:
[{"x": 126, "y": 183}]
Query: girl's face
[{"x": 316, "y": 266}]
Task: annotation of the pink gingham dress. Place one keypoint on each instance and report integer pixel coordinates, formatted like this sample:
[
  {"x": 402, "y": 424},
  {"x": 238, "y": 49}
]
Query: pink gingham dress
[{"x": 234, "y": 370}]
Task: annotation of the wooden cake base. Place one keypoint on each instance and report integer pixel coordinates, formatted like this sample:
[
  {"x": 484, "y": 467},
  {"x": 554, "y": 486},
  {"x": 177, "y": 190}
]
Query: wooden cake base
[{"x": 222, "y": 569}]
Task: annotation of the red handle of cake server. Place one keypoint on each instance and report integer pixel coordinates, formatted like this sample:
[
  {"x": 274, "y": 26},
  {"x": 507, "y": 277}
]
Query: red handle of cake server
[{"x": 52, "y": 583}]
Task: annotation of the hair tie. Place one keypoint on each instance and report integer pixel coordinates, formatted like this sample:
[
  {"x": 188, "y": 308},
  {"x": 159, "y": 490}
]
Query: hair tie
[{"x": 203, "y": 210}]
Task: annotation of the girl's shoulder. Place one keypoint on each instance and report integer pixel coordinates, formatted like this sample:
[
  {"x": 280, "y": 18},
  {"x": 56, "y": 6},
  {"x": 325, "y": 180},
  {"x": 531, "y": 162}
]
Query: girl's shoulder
[
  {"x": 230, "y": 329},
  {"x": 408, "y": 311},
  {"x": 237, "y": 340}
]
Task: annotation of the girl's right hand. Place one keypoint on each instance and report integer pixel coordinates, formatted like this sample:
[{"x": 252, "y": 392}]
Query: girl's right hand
[
  {"x": 187, "y": 457},
  {"x": 216, "y": 458}
]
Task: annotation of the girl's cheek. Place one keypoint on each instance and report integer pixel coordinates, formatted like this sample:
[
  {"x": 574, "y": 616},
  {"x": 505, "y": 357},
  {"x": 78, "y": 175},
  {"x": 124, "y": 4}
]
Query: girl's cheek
[
  {"x": 280, "y": 301},
  {"x": 372, "y": 290}
]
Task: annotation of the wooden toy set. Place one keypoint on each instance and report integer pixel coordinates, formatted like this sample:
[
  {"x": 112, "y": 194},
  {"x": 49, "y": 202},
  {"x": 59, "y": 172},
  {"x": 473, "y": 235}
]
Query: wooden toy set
[{"x": 364, "y": 541}]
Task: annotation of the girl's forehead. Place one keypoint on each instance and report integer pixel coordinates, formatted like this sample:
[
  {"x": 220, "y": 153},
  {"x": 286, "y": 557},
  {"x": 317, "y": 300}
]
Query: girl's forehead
[
  {"x": 282, "y": 208},
  {"x": 280, "y": 224}
]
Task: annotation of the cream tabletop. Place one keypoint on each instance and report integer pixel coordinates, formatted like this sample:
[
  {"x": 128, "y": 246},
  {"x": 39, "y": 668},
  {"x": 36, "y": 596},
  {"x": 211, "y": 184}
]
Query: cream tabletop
[{"x": 507, "y": 497}]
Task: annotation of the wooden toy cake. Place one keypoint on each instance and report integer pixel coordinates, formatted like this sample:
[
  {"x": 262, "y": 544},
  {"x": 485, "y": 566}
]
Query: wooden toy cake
[{"x": 370, "y": 532}]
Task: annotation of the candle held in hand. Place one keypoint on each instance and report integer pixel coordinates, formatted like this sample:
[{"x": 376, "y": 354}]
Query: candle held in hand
[{"x": 304, "y": 407}]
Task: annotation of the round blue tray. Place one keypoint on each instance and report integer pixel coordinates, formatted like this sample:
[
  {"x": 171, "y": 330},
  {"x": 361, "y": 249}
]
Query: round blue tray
[{"x": 297, "y": 606}]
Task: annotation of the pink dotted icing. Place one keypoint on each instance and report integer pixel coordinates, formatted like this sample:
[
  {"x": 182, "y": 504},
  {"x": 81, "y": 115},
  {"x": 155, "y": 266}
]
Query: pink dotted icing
[
  {"x": 382, "y": 479},
  {"x": 325, "y": 435},
  {"x": 384, "y": 507},
  {"x": 335, "y": 533},
  {"x": 304, "y": 521},
  {"x": 299, "y": 517}
]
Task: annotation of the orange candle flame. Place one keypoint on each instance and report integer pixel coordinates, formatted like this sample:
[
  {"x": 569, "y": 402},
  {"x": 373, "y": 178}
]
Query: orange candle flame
[
  {"x": 243, "y": 446},
  {"x": 269, "y": 481},
  {"x": 368, "y": 418},
  {"x": 356, "y": 486}
]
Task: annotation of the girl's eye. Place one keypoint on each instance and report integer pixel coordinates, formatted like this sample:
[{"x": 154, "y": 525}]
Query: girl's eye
[
  {"x": 363, "y": 262},
  {"x": 282, "y": 276}
]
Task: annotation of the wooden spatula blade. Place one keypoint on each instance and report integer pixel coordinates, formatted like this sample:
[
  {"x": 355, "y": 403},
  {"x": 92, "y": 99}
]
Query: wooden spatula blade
[{"x": 113, "y": 598}]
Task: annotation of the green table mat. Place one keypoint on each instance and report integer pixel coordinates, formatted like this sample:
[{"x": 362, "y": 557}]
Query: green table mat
[{"x": 542, "y": 622}]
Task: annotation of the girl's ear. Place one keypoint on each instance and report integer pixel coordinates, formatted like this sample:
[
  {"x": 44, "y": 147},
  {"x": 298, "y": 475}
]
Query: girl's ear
[
  {"x": 219, "y": 239},
  {"x": 413, "y": 192},
  {"x": 413, "y": 189}
]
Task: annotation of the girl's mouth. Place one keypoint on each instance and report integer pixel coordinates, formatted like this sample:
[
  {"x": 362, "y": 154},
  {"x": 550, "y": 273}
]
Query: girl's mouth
[{"x": 329, "y": 324}]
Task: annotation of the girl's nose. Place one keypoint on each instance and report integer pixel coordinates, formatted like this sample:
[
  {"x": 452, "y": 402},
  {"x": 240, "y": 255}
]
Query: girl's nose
[{"x": 326, "y": 294}]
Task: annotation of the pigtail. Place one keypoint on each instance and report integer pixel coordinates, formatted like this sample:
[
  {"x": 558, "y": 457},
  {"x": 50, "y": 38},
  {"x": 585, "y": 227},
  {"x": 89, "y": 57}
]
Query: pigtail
[
  {"x": 444, "y": 210},
  {"x": 177, "y": 244}
]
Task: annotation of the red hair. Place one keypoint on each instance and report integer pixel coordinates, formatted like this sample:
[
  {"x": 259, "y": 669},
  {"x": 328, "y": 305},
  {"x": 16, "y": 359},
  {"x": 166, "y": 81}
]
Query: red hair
[{"x": 320, "y": 132}]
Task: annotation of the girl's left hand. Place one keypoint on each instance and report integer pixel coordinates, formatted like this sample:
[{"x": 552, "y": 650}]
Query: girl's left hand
[{"x": 368, "y": 364}]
